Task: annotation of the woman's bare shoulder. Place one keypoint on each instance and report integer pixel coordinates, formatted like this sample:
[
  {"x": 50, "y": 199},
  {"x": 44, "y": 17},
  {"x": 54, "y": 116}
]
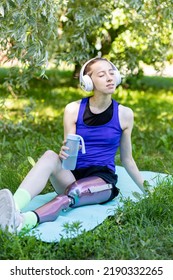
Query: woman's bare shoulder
[
  {"x": 126, "y": 116},
  {"x": 72, "y": 107},
  {"x": 126, "y": 110}
]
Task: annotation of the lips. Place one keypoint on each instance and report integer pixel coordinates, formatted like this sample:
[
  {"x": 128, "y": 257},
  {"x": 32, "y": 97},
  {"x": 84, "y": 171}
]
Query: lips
[{"x": 110, "y": 86}]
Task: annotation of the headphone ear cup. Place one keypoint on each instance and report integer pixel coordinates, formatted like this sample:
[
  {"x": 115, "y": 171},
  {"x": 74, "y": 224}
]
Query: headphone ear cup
[
  {"x": 117, "y": 77},
  {"x": 86, "y": 83},
  {"x": 117, "y": 74}
]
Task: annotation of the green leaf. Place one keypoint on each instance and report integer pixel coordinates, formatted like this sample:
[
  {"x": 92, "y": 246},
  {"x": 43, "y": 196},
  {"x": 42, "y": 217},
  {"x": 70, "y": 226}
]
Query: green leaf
[{"x": 31, "y": 161}]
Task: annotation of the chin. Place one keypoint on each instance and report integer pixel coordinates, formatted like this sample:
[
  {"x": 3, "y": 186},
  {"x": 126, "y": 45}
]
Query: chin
[{"x": 111, "y": 91}]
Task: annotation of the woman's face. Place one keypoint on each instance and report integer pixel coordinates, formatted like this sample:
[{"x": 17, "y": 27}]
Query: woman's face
[{"x": 103, "y": 77}]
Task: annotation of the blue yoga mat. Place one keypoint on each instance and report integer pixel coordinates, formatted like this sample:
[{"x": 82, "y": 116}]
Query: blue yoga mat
[{"x": 86, "y": 218}]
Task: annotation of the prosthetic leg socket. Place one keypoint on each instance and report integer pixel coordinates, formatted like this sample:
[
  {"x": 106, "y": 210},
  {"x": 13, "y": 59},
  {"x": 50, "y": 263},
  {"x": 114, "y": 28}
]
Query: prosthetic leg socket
[{"x": 87, "y": 191}]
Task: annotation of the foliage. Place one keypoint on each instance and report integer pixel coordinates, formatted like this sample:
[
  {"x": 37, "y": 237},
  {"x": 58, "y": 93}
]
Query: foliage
[
  {"x": 27, "y": 27},
  {"x": 38, "y": 32},
  {"x": 32, "y": 123},
  {"x": 147, "y": 32},
  {"x": 126, "y": 31}
]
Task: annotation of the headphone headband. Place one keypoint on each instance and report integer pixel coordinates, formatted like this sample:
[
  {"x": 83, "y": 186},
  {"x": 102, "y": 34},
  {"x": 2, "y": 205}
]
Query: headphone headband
[{"x": 85, "y": 80}]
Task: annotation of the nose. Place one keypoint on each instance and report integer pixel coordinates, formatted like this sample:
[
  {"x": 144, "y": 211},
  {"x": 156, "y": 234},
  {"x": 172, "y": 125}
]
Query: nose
[{"x": 109, "y": 77}]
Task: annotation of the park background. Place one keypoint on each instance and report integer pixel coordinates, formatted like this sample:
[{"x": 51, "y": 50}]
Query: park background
[{"x": 42, "y": 46}]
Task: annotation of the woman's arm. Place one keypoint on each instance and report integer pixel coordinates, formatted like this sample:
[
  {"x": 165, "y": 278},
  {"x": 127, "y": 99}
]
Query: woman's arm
[
  {"x": 70, "y": 119},
  {"x": 126, "y": 122}
]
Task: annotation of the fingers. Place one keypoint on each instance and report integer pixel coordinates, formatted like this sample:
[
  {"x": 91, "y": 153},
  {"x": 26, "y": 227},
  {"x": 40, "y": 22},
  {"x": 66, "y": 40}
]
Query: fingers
[
  {"x": 62, "y": 153},
  {"x": 80, "y": 147}
]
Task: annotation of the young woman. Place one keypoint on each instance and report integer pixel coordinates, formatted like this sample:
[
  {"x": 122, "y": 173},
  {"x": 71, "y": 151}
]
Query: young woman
[{"x": 105, "y": 126}]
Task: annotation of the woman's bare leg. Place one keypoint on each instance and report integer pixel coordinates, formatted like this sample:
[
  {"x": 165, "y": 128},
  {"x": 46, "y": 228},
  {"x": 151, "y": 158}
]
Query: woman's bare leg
[{"x": 47, "y": 167}]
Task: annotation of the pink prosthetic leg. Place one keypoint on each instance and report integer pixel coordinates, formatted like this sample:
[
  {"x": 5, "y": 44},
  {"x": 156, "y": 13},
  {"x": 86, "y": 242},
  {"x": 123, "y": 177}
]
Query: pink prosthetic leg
[
  {"x": 49, "y": 211},
  {"x": 91, "y": 190}
]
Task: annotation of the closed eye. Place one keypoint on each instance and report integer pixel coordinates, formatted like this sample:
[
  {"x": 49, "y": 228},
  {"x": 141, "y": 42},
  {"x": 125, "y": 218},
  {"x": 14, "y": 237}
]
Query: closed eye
[
  {"x": 102, "y": 74},
  {"x": 112, "y": 73}
]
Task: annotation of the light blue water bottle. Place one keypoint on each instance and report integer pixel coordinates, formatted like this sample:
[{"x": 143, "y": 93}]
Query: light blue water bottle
[{"x": 73, "y": 142}]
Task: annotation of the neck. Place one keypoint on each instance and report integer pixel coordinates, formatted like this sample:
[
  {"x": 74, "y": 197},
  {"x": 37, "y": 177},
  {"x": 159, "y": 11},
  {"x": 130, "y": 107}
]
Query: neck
[
  {"x": 100, "y": 101},
  {"x": 99, "y": 104}
]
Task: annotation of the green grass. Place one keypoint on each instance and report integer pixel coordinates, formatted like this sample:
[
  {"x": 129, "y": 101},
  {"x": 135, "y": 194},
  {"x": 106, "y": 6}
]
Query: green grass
[{"x": 32, "y": 122}]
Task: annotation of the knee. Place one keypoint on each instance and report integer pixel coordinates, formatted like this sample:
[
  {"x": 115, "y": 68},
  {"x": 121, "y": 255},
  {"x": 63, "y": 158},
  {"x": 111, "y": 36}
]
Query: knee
[
  {"x": 49, "y": 154},
  {"x": 51, "y": 158}
]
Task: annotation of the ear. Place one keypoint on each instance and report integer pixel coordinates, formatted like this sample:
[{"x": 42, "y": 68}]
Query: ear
[{"x": 86, "y": 83}]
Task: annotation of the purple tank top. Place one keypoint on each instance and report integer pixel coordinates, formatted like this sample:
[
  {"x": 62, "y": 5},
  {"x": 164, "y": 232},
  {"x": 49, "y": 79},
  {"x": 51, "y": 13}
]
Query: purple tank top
[{"x": 101, "y": 142}]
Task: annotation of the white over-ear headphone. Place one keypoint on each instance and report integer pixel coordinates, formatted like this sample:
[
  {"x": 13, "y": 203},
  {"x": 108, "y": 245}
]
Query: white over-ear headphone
[{"x": 86, "y": 82}]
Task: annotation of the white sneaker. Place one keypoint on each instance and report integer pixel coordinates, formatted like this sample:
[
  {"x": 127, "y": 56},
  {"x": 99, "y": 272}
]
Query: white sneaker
[{"x": 9, "y": 216}]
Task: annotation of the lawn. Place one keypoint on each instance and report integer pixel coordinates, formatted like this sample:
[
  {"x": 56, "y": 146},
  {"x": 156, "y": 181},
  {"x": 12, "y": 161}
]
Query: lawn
[{"x": 32, "y": 122}]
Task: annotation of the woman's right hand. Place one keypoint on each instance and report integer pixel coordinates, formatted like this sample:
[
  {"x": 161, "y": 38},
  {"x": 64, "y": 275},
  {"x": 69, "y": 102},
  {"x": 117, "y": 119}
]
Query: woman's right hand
[{"x": 62, "y": 153}]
